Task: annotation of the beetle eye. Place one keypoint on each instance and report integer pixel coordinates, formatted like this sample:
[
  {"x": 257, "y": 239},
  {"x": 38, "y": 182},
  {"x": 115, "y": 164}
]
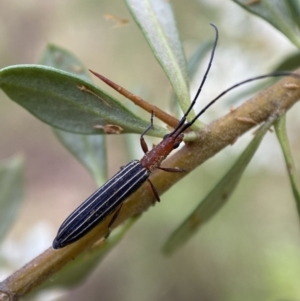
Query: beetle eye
[
  {"x": 166, "y": 136},
  {"x": 176, "y": 145}
]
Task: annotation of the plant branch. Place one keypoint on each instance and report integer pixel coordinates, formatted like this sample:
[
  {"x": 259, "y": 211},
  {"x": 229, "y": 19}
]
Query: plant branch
[{"x": 223, "y": 132}]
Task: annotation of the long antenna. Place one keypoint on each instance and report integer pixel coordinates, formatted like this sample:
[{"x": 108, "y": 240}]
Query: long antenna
[
  {"x": 274, "y": 74},
  {"x": 183, "y": 119}
]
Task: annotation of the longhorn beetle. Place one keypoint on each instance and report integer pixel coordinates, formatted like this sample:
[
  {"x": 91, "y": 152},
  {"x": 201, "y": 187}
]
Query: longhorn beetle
[{"x": 109, "y": 198}]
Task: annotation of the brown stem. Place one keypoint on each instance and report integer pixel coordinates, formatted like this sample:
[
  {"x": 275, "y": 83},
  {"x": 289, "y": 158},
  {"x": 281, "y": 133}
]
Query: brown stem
[{"x": 223, "y": 132}]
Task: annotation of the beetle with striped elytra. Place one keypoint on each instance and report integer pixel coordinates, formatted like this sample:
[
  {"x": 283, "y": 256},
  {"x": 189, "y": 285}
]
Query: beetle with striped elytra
[{"x": 109, "y": 198}]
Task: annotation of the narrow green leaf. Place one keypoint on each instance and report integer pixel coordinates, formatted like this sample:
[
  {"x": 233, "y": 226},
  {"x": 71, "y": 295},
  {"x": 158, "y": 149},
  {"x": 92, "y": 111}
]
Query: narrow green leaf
[
  {"x": 77, "y": 270},
  {"x": 11, "y": 192},
  {"x": 217, "y": 197},
  {"x": 294, "y": 6},
  {"x": 282, "y": 14},
  {"x": 280, "y": 127},
  {"x": 157, "y": 22},
  {"x": 68, "y": 102},
  {"x": 90, "y": 150}
]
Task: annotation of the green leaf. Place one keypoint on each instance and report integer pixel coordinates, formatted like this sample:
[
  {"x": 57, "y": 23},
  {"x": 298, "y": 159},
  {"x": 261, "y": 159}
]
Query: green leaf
[
  {"x": 11, "y": 192},
  {"x": 282, "y": 14},
  {"x": 217, "y": 197},
  {"x": 280, "y": 127},
  {"x": 67, "y": 102},
  {"x": 156, "y": 20},
  {"x": 59, "y": 58},
  {"x": 294, "y": 6},
  {"x": 77, "y": 270},
  {"x": 90, "y": 150}
]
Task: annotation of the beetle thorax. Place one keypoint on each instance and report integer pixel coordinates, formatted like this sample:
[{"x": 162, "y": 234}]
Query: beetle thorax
[{"x": 154, "y": 157}]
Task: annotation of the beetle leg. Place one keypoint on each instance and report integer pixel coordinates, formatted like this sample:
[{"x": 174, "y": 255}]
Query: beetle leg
[
  {"x": 113, "y": 219},
  {"x": 154, "y": 191},
  {"x": 142, "y": 140}
]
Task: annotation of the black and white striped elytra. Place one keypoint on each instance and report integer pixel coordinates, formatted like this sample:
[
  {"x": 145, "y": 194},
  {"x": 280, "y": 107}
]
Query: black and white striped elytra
[{"x": 101, "y": 203}]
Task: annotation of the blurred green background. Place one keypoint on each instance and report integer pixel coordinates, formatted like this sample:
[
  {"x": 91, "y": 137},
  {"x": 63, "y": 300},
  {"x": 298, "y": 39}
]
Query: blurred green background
[{"x": 249, "y": 251}]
